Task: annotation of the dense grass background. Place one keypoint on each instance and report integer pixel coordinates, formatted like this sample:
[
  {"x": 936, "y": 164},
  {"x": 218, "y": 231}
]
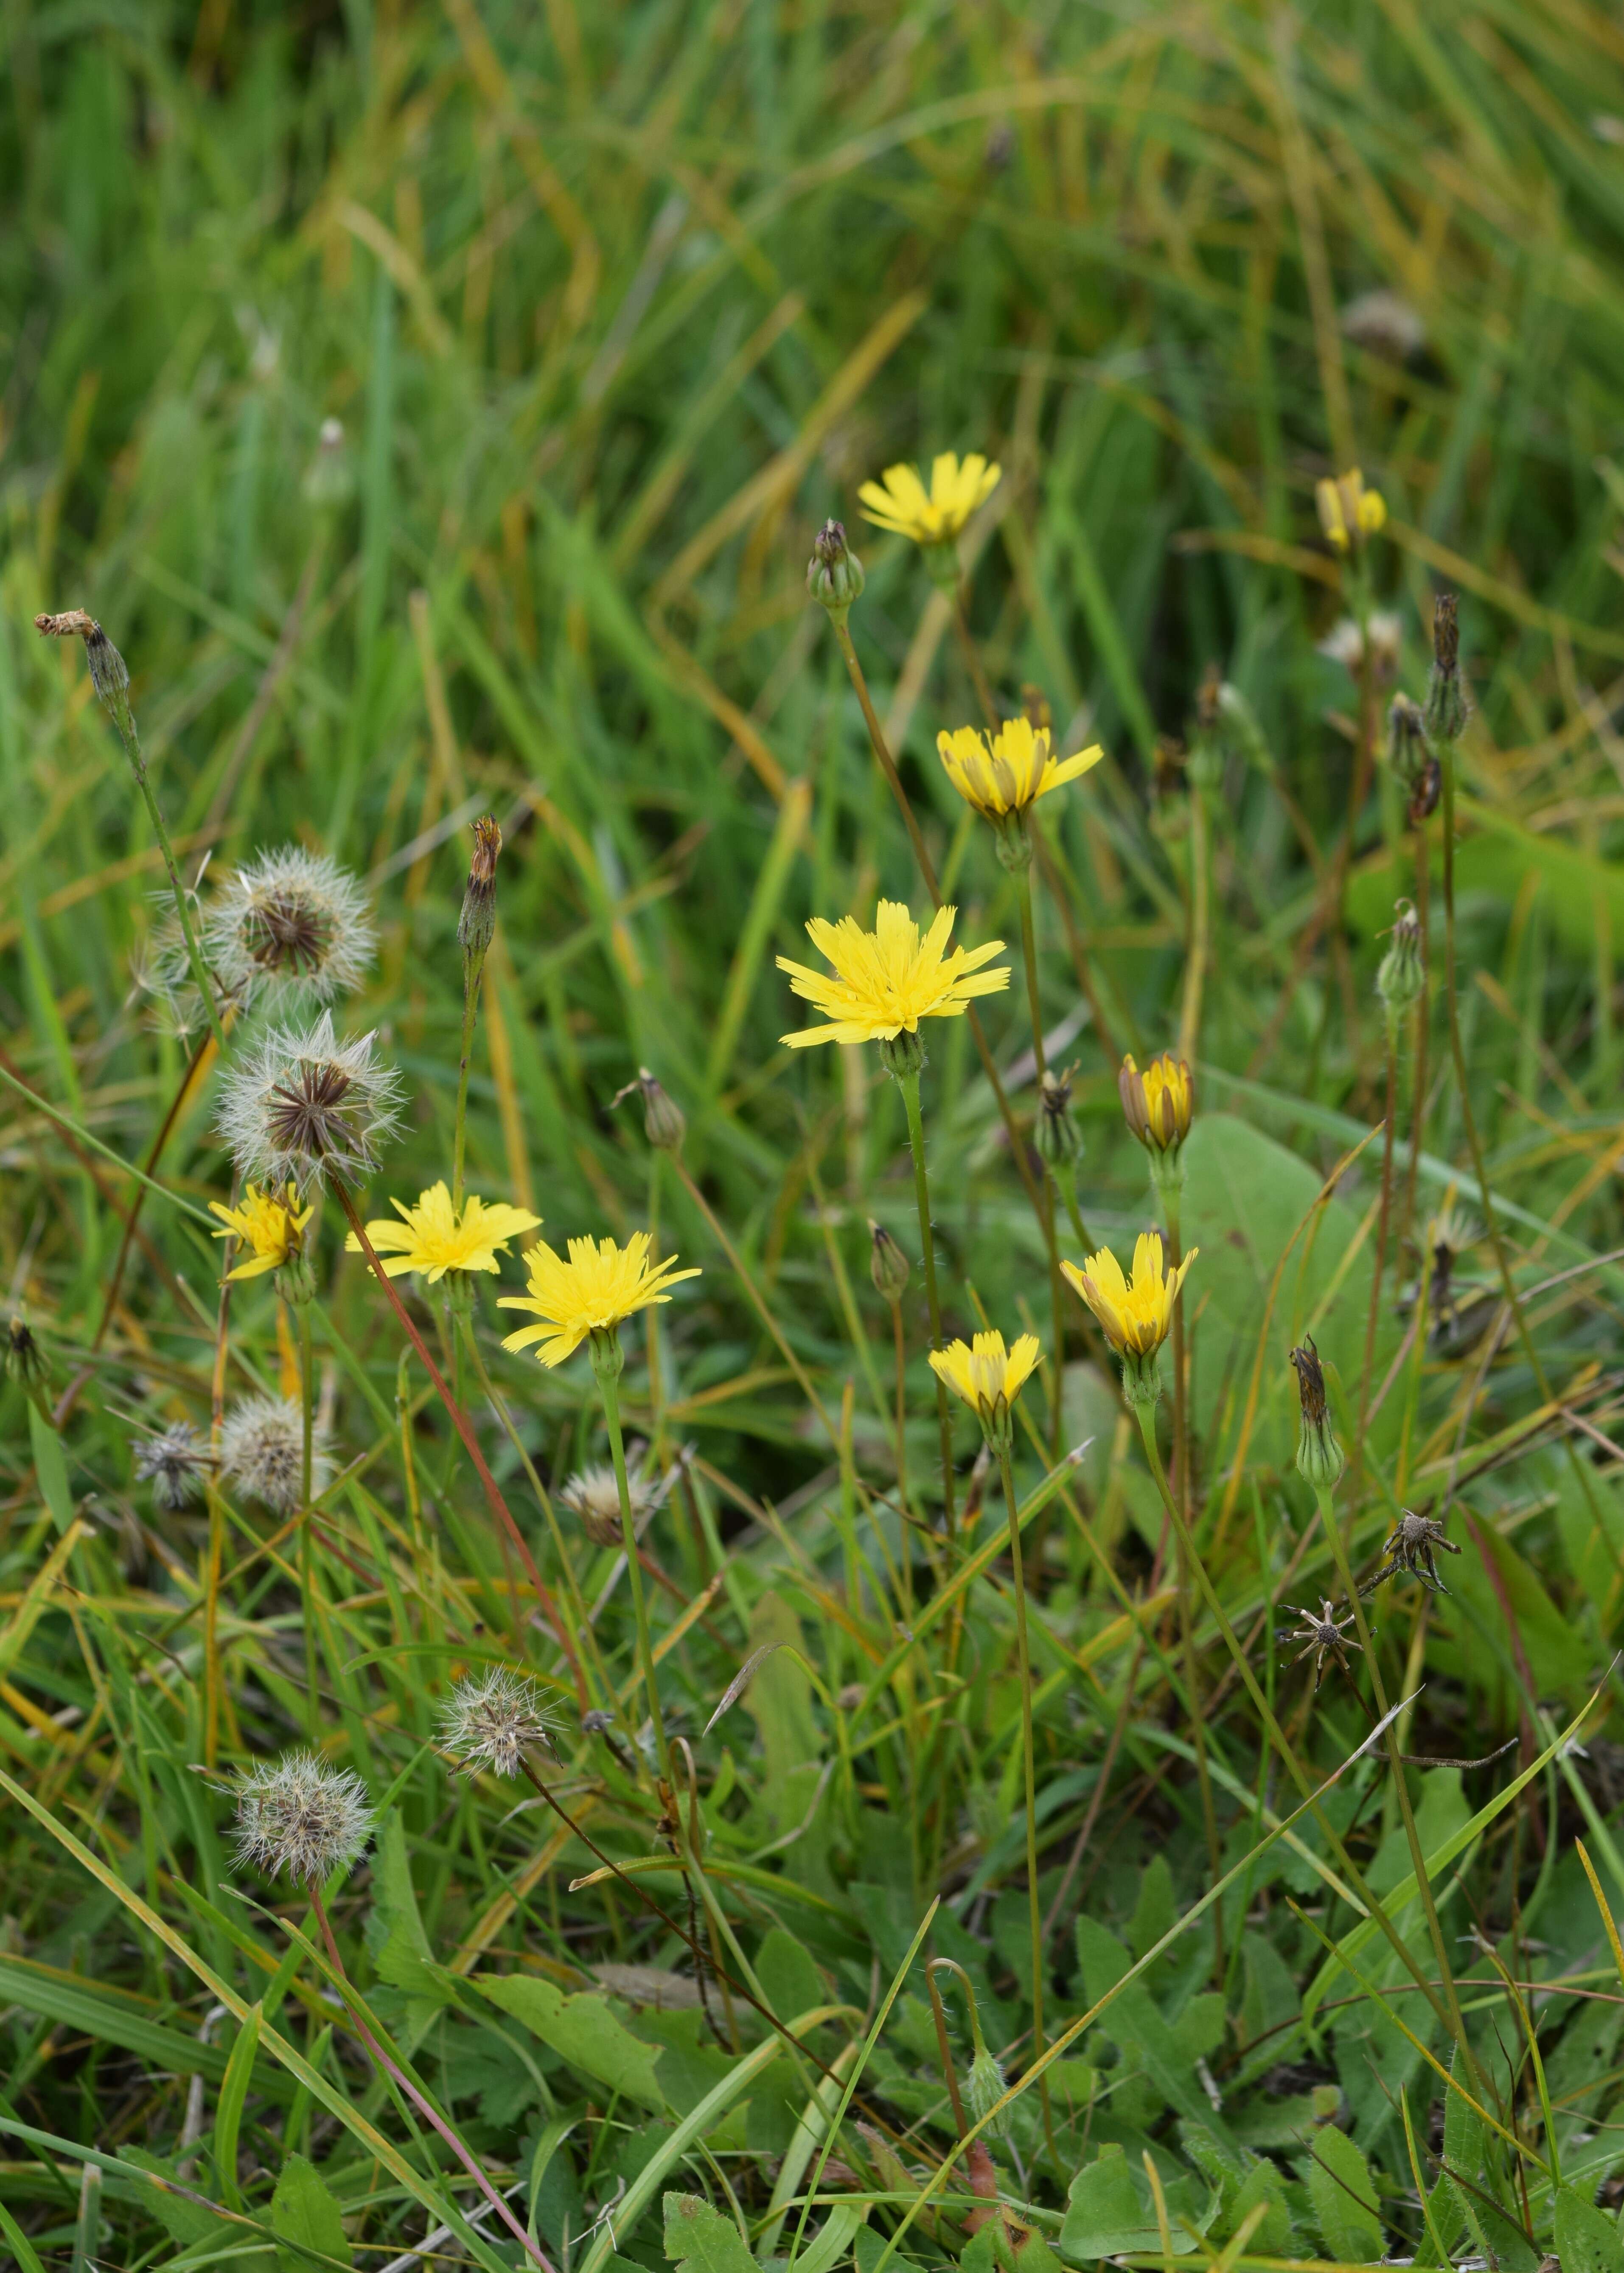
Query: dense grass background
[{"x": 613, "y": 306}]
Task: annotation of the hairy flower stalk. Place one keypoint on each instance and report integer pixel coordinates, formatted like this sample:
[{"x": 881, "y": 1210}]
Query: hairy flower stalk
[
  {"x": 476, "y": 929},
  {"x": 111, "y": 681}
]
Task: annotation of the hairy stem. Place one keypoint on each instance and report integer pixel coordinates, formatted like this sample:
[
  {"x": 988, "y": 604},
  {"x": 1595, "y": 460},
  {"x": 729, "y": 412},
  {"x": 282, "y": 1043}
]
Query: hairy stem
[
  {"x": 908, "y": 1084},
  {"x": 1056, "y": 1297},
  {"x": 608, "y": 1383},
  {"x": 1028, "y": 1756}
]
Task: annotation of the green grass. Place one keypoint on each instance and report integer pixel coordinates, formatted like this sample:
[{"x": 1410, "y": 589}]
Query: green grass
[{"x": 614, "y": 307}]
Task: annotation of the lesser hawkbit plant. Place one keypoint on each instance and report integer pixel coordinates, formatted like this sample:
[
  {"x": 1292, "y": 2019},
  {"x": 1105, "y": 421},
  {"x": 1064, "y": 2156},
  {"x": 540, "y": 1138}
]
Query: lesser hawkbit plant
[
  {"x": 302, "y": 1108},
  {"x": 289, "y": 924},
  {"x": 492, "y": 1719},
  {"x": 301, "y": 1819},
  {"x": 174, "y": 1462},
  {"x": 262, "y": 1451}
]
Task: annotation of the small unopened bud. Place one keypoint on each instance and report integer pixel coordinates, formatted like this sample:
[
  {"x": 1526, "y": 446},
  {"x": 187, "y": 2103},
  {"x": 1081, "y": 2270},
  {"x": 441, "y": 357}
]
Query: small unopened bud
[
  {"x": 476, "y": 924},
  {"x": 1407, "y": 750},
  {"x": 888, "y": 1266},
  {"x": 1320, "y": 1458},
  {"x": 834, "y": 574},
  {"x": 1057, "y": 1137},
  {"x": 1445, "y": 714},
  {"x": 25, "y": 1362},
  {"x": 984, "y": 2087},
  {"x": 1400, "y": 979},
  {"x": 664, "y": 1122}
]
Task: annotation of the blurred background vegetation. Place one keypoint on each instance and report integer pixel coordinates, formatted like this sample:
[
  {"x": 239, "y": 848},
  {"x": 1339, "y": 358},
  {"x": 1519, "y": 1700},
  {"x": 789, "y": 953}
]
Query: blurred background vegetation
[{"x": 437, "y": 404}]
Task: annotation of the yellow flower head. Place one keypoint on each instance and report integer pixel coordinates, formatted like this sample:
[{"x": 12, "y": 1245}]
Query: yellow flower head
[
  {"x": 887, "y": 979},
  {"x": 1349, "y": 512},
  {"x": 988, "y": 1377},
  {"x": 1135, "y": 1313},
  {"x": 1010, "y": 772},
  {"x": 937, "y": 516},
  {"x": 600, "y": 1285},
  {"x": 272, "y": 1228},
  {"x": 434, "y": 1239},
  {"x": 1158, "y": 1104}
]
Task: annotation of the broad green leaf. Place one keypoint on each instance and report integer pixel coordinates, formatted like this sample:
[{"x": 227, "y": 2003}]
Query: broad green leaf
[
  {"x": 187, "y": 2221},
  {"x": 1108, "y": 2211},
  {"x": 1265, "y": 2182},
  {"x": 583, "y": 2029},
  {"x": 699, "y": 2236},
  {"x": 1587, "y": 2240},
  {"x": 51, "y": 1467},
  {"x": 1344, "y": 2195},
  {"x": 997, "y": 2249},
  {"x": 306, "y": 2217},
  {"x": 779, "y": 1702},
  {"x": 787, "y": 1973},
  {"x": 1135, "y": 2025}
]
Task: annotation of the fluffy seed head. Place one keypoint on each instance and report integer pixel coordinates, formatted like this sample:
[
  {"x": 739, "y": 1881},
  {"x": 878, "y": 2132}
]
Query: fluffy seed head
[
  {"x": 593, "y": 1496},
  {"x": 261, "y": 1450},
  {"x": 301, "y": 1106},
  {"x": 173, "y": 1462},
  {"x": 300, "y": 1816},
  {"x": 291, "y": 923},
  {"x": 492, "y": 1719}
]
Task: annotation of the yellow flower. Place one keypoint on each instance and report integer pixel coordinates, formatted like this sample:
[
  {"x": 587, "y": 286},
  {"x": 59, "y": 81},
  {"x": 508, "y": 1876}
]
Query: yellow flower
[
  {"x": 431, "y": 1238},
  {"x": 600, "y": 1285},
  {"x": 904, "y": 507},
  {"x": 988, "y": 1377},
  {"x": 1137, "y": 1314},
  {"x": 887, "y": 979},
  {"x": 1012, "y": 771},
  {"x": 273, "y": 1227},
  {"x": 1158, "y": 1104},
  {"x": 1350, "y": 513}
]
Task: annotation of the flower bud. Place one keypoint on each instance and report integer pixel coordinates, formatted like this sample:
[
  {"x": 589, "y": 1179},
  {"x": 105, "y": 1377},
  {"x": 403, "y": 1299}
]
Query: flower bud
[
  {"x": 1407, "y": 750},
  {"x": 1159, "y": 1105},
  {"x": 329, "y": 479},
  {"x": 1446, "y": 701},
  {"x": 476, "y": 924},
  {"x": 664, "y": 1122},
  {"x": 295, "y": 1281},
  {"x": 903, "y": 1053},
  {"x": 834, "y": 574},
  {"x": 984, "y": 2087},
  {"x": 25, "y": 1362},
  {"x": 888, "y": 1266},
  {"x": 1057, "y": 1135},
  {"x": 1320, "y": 1458},
  {"x": 1402, "y": 979}
]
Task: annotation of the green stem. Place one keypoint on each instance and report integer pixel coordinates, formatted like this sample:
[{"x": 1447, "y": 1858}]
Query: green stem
[
  {"x": 1056, "y": 1297},
  {"x": 307, "y": 1553},
  {"x": 1066, "y": 1177},
  {"x": 1339, "y": 1550},
  {"x": 471, "y": 1005},
  {"x": 1277, "y": 1736},
  {"x": 1029, "y": 1766},
  {"x": 908, "y": 1084},
  {"x": 194, "y": 953},
  {"x": 607, "y": 1382}
]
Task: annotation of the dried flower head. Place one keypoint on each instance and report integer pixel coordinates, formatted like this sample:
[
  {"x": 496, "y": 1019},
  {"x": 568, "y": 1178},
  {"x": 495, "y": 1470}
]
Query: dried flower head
[
  {"x": 174, "y": 1462},
  {"x": 1346, "y": 644},
  {"x": 1323, "y": 1636},
  {"x": 664, "y": 1122},
  {"x": 25, "y": 1362},
  {"x": 262, "y": 1451},
  {"x": 301, "y": 1106},
  {"x": 300, "y": 1816},
  {"x": 1319, "y": 1457},
  {"x": 1384, "y": 324},
  {"x": 592, "y": 1496},
  {"x": 1413, "y": 1546},
  {"x": 834, "y": 574},
  {"x": 289, "y": 924},
  {"x": 492, "y": 1719},
  {"x": 1445, "y": 698},
  {"x": 1059, "y": 1139},
  {"x": 109, "y": 674},
  {"x": 476, "y": 924}
]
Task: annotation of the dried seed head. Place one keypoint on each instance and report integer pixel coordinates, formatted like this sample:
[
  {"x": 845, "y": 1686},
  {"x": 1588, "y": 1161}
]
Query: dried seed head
[
  {"x": 262, "y": 1451},
  {"x": 25, "y": 1362},
  {"x": 476, "y": 924},
  {"x": 301, "y": 1817},
  {"x": 593, "y": 1497},
  {"x": 493, "y": 1719},
  {"x": 1407, "y": 750},
  {"x": 888, "y": 1264},
  {"x": 174, "y": 1462},
  {"x": 290, "y": 924},
  {"x": 302, "y": 1106},
  {"x": 108, "y": 673},
  {"x": 1059, "y": 1139},
  {"x": 1446, "y": 699}
]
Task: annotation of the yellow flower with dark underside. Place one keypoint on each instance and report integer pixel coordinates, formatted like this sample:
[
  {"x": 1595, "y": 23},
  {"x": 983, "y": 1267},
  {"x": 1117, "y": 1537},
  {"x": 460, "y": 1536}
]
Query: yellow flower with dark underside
[
  {"x": 1009, "y": 773},
  {"x": 272, "y": 1229},
  {"x": 986, "y": 1376},
  {"x": 433, "y": 1238},
  {"x": 934, "y": 516},
  {"x": 590, "y": 1294},
  {"x": 1158, "y": 1104},
  {"x": 1350, "y": 513},
  {"x": 887, "y": 979},
  {"x": 1137, "y": 1312}
]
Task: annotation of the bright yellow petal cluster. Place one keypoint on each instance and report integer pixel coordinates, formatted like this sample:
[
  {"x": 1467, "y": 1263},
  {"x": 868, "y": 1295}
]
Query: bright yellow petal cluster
[
  {"x": 1135, "y": 1313},
  {"x": 935, "y": 517},
  {"x": 1350, "y": 513},
  {"x": 1159, "y": 1104},
  {"x": 600, "y": 1285},
  {"x": 983, "y": 1371},
  {"x": 272, "y": 1228},
  {"x": 1011, "y": 770},
  {"x": 434, "y": 1239},
  {"x": 887, "y": 979}
]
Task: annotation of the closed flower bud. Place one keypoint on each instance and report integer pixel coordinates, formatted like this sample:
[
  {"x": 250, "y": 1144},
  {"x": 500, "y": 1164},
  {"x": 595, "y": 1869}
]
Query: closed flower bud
[
  {"x": 1402, "y": 979},
  {"x": 476, "y": 924},
  {"x": 984, "y": 2087},
  {"x": 25, "y": 1362},
  {"x": 109, "y": 674},
  {"x": 1058, "y": 1141},
  {"x": 903, "y": 1054},
  {"x": 1320, "y": 1458},
  {"x": 1407, "y": 750},
  {"x": 888, "y": 1266},
  {"x": 1445, "y": 713},
  {"x": 834, "y": 574},
  {"x": 664, "y": 1123}
]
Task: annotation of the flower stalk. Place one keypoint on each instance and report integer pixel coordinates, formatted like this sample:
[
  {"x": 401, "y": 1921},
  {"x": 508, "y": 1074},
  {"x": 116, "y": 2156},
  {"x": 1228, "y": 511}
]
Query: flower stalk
[
  {"x": 608, "y": 1359},
  {"x": 908, "y": 1084}
]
